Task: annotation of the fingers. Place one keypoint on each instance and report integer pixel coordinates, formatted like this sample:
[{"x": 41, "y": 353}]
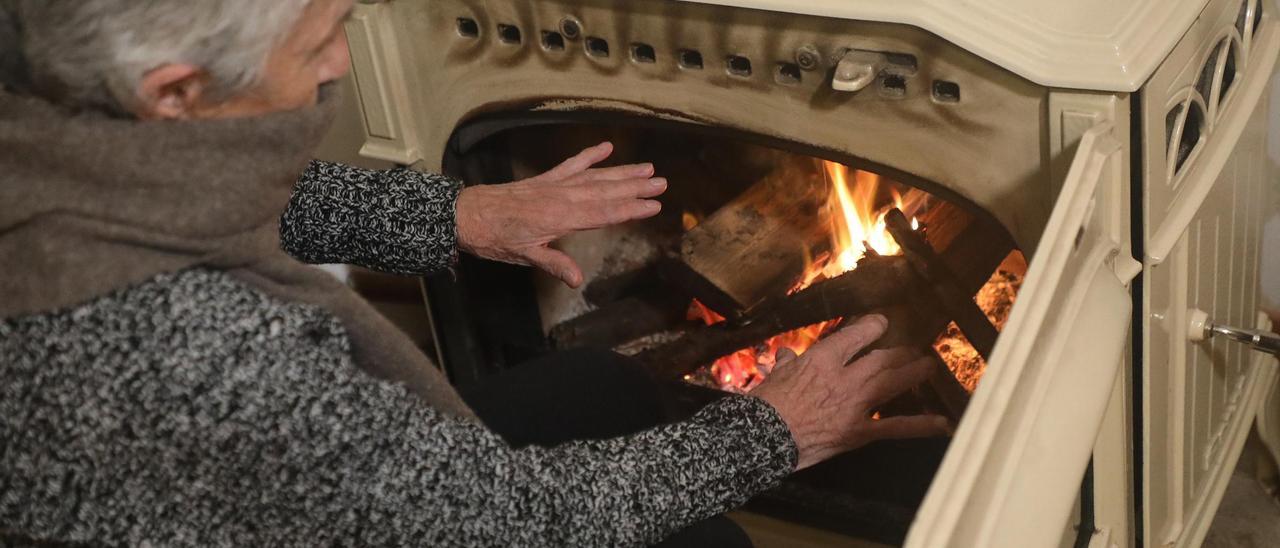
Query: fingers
[
  {"x": 618, "y": 173},
  {"x": 621, "y": 189},
  {"x": 914, "y": 426},
  {"x": 837, "y": 348},
  {"x": 557, "y": 264},
  {"x": 580, "y": 163},
  {"x": 784, "y": 354},
  {"x": 892, "y": 380},
  {"x": 621, "y": 212}
]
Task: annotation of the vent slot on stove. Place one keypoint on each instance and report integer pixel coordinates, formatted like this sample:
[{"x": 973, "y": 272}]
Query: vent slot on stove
[
  {"x": 946, "y": 92},
  {"x": 467, "y": 28},
  {"x": 690, "y": 59},
  {"x": 788, "y": 74},
  {"x": 1205, "y": 84},
  {"x": 893, "y": 85},
  {"x": 1242, "y": 18},
  {"x": 1229, "y": 71},
  {"x": 738, "y": 65},
  {"x": 597, "y": 47},
  {"x": 509, "y": 34},
  {"x": 643, "y": 53},
  {"x": 1184, "y": 126},
  {"x": 1257, "y": 15},
  {"x": 552, "y": 41}
]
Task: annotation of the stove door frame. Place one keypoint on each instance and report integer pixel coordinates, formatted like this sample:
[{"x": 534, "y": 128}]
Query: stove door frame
[{"x": 1013, "y": 472}]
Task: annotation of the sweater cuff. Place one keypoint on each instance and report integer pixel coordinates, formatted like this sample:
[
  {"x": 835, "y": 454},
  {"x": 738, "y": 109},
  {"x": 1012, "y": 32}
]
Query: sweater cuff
[{"x": 769, "y": 436}]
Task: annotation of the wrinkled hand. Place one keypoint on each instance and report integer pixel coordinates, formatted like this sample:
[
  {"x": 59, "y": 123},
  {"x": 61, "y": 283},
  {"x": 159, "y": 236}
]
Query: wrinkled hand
[
  {"x": 828, "y": 405},
  {"x": 515, "y": 222}
]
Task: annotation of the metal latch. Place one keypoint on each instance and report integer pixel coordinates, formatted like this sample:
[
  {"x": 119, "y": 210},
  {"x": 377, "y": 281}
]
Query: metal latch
[
  {"x": 858, "y": 69},
  {"x": 1203, "y": 329}
]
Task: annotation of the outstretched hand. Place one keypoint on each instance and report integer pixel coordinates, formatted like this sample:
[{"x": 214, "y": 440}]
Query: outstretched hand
[
  {"x": 516, "y": 222},
  {"x": 828, "y": 405}
]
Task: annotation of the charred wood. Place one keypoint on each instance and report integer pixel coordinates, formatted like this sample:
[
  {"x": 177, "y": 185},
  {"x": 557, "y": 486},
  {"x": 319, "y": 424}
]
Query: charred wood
[
  {"x": 607, "y": 290},
  {"x": 757, "y": 245},
  {"x": 621, "y": 321},
  {"x": 878, "y": 282},
  {"x": 956, "y": 303}
]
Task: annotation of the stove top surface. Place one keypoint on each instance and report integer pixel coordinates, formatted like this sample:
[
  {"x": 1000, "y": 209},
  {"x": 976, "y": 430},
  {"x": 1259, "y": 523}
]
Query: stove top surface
[{"x": 1088, "y": 44}]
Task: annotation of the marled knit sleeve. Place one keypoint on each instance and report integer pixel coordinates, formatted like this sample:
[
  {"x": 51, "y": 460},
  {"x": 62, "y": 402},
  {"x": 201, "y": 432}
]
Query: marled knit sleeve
[
  {"x": 366, "y": 464},
  {"x": 399, "y": 221},
  {"x": 194, "y": 412},
  {"x": 355, "y": 462}
]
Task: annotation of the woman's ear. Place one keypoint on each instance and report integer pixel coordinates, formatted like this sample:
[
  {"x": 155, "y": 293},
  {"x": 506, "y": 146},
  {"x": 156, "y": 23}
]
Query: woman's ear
[{"x": 171, "y": 92}]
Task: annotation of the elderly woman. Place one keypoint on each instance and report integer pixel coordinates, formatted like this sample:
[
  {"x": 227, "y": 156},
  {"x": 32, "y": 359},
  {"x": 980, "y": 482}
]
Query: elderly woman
[{"x": 169, "y": 375}]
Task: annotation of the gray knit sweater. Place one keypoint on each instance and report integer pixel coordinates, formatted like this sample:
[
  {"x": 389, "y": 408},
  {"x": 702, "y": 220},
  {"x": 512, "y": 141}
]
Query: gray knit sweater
[{"x": 195, "y": 410}]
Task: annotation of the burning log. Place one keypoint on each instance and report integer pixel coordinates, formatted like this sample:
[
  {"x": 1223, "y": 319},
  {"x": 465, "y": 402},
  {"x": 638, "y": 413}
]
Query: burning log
[
  {"x": 973, "y": 251},
  {"x": 756, "y": 246},
  {"x": 938, "y": 277},
  {"x": 621, "y": 321},
  {"x": 957, "y": 304},
  {"x": 614, "y": 288},
  {"x": 878, "y": 282}
]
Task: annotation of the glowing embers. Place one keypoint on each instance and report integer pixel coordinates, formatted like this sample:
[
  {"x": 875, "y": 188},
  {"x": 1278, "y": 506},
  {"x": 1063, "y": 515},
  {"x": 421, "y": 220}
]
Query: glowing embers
[
  {"x": 996, "y": 300},
  {"x": 857, "y": 203},
  {"x": 857, "y": 206}
]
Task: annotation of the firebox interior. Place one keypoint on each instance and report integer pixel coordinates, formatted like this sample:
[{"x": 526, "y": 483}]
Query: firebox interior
[{"x": 491, "y": 316}]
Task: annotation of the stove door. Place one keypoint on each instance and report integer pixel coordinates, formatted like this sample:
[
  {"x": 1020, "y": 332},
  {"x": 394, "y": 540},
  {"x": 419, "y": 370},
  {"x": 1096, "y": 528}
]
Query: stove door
[{"x": 1014, "y": 469}]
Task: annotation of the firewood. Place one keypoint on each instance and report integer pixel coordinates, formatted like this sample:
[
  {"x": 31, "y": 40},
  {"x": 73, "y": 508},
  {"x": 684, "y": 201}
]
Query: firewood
[
  {"x": 885, "y": 285},
  {"x": 622, "y": 321},
  {"x": 603, "y": 291},
  {"x": 957, "y": 303},
  {"x": 878, "y": 282},
  {"x": 974, "y": 249},
  {"x": 757, "y": 246}
]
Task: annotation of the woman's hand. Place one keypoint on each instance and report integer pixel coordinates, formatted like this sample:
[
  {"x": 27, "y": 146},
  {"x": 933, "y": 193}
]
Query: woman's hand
[
  {"x": 515, "y": 222},
  {"x": 828, "y": 405}
]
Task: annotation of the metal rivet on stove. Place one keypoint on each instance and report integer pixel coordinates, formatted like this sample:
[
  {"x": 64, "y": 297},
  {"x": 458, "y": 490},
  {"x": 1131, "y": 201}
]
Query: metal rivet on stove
[
  {"x": 807, "y": 57},
  {"x": 570, "y": 27}
]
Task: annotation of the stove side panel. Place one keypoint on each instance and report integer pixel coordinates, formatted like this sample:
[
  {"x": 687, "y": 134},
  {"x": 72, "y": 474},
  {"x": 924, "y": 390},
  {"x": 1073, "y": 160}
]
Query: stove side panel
[{"x": 1205, "y": 178}]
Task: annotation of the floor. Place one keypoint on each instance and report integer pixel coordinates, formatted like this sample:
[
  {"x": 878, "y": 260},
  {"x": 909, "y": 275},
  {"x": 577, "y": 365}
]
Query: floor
[
  {"x": 1249, "y": 516},
  {"x": 767, "y": 532}
]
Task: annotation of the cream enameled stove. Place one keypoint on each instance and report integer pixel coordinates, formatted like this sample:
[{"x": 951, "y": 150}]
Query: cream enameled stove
[{"x": 1122, "y": 144}]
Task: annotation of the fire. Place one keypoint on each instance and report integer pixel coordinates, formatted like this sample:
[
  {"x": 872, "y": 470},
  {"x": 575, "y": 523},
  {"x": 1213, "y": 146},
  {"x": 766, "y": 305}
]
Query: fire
[
  {"x": 858, "y": 226},
  {"x": 856, "y": 229}
]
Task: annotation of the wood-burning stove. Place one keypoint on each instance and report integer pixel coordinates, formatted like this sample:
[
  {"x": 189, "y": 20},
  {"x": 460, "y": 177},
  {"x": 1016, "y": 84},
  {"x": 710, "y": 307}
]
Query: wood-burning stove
[{"x": 1120, "y": 145}]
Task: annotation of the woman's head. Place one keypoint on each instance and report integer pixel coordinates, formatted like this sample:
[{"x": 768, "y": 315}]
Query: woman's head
[{"x": 178, "y": 59}]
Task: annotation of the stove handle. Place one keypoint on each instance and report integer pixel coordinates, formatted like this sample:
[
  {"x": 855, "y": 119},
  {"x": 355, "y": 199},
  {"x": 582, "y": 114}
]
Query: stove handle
[
  {"x": 858, "y": 69},
  {"x": 1203, "y": 329}
]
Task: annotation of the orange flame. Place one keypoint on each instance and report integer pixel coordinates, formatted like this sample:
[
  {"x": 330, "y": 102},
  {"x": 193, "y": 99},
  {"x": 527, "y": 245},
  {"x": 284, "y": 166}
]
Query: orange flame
[{"x": 858, "y": 224}]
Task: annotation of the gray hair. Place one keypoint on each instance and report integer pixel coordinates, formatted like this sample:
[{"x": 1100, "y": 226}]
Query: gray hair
[{"x": 94, "y": 53}]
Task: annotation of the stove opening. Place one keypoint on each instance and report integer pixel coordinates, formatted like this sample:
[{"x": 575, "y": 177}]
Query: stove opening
[{"x": 761, "y": 245}]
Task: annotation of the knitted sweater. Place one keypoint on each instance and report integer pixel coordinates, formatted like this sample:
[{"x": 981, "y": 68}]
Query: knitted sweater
[{"x": 194, "y": 409}]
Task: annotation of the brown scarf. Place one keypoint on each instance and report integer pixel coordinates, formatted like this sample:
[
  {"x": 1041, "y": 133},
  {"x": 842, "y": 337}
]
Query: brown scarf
[{"x": 90, "y": 204}]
